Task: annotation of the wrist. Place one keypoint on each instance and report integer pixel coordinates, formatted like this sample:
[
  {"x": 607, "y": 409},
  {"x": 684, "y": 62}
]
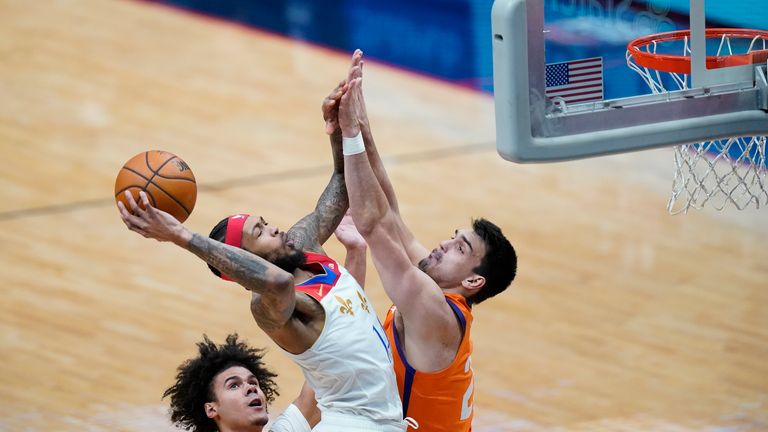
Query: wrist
[
  {"x": 353, "y": 145},
  {"x": 182, "y": 236},
  {"x": 356, "y": 246}
]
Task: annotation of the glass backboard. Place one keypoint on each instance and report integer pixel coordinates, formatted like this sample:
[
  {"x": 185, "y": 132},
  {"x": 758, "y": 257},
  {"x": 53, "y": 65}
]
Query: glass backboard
[{"x": 563, "y": 88}]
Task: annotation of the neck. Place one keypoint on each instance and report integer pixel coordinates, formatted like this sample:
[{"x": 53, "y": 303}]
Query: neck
[
  {"x": 455, "y": 290},
  {"x": 301, "y": 276}
]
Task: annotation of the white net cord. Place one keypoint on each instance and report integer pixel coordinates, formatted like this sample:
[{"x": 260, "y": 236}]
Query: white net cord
[
  {"x": 714, "y": 173},
  {"x": 719, "y": 173}
]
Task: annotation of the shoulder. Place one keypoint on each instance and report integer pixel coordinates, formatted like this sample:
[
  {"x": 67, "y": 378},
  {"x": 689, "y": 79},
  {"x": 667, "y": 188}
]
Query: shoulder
[
  {"x": 291, "y": 420},
  {"x": 462, "y": 309}
]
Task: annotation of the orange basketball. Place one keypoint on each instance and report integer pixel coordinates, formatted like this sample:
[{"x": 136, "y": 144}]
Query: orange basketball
[{"x": 167, "y": 180}]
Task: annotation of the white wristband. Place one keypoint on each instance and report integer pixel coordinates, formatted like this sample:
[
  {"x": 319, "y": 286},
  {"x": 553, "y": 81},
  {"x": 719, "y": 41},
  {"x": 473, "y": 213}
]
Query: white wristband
[{"x": 354, "y": 145}]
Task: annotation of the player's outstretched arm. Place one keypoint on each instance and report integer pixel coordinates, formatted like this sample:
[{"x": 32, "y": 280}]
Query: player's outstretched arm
[
  {"x": 419, "y": 299},
  {"x": 416, "y": 251},
  {"x": 314, "y": 229},
  {"x": 274, "y": 284}
]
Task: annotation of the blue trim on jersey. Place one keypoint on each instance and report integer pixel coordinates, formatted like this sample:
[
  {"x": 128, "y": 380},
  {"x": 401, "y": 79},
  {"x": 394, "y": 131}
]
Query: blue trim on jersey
[
  {"x": 458, "y": 313},
  {"x": 410, "y": 372},
  {"x": 384, "y": 343},
  {"x": 328, "y": 278}
]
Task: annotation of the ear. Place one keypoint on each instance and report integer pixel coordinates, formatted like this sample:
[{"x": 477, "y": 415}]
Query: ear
[
  {"x": 211, "y": 410},
  {"x": 474, "y": 282}
]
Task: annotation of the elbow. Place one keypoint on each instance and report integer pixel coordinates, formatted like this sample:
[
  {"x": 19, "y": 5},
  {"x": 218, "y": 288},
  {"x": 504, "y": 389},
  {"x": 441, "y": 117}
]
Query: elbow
[
  {"x": 365, "y": 227},
  {"x": 372, "y": 220},
  {"x": 280, "y": 282},
  {"x": 368, "y": 221}
]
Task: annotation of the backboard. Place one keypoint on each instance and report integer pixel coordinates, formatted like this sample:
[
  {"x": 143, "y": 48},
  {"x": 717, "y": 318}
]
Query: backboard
[{"x": 563, "y": 90}]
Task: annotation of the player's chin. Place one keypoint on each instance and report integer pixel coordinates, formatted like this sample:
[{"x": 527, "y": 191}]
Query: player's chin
[
  {"x": 260, "y": 420},
  {"x": 258, "y": 416}
]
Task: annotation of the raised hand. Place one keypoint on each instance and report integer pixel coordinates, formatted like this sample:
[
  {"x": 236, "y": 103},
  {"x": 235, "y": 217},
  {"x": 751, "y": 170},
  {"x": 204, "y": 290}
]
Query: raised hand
[
  {"x": 351, "y": 108},
  {"x": 348, "y": 235},
  {"x": 330, "y": 108},
  {"x": 356, "y": 68},
  {"x": 151, "y": 222},
  {"x": 356, "y": 247}
]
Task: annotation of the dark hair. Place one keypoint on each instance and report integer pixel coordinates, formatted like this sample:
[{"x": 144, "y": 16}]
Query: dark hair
[
  {"x": 499, "y": 265},
  {"x": 194, "y": 381},
  {"x": 219, "y": 233}
]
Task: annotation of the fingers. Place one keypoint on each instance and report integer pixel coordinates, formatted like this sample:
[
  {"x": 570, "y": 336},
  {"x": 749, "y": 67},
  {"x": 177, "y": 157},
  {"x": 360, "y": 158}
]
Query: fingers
[
  {"x": 145, "y": 202},
  {"x": 135, "y": 209},
  {"x": 330, "y": 107},
  {"x": 345, "y": 99},
  {"x": 354, "y": 72},
  {"x": 355, "y": 87},
  {"x": 134, "y": 223},
  {"x": 331, "y": 126},
  {"x": 124, "y": 214},
  {"x": 335, "y": 94},
  {"x": 136, "y": 219},
  {"x": 330, "y": 113},
  {"x": 339, "y": 86},
  {"x": 357, "y": 57}
]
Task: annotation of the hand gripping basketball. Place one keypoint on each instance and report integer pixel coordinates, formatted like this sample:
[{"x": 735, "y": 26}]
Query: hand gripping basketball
[
  {"x": 149, "y": 221},
  {"x": 166, "y": 178}
]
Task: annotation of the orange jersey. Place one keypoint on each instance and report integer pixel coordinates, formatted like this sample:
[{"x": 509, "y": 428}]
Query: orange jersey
[{"x": 439, "y": 401}]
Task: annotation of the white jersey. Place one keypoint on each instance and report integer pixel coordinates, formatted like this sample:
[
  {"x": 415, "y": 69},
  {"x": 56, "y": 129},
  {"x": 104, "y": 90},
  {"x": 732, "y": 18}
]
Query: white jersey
[
  {"x": 291, "y": 420},
  {"x": 350, "y": 364}
]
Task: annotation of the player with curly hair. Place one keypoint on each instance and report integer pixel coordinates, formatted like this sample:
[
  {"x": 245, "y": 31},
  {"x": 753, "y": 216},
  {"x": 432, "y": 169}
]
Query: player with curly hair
[{"x": 228, "y": 387}]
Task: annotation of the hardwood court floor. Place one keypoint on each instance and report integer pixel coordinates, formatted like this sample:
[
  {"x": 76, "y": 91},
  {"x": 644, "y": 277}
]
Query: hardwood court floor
[{"x": 622, "y": 317}]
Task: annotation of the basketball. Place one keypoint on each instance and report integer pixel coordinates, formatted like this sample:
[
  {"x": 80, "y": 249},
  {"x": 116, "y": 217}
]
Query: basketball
[{"x": 166, "y": 178}]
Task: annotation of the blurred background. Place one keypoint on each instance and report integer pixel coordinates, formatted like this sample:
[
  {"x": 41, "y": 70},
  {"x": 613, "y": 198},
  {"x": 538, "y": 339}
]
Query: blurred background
[
  {"x": 622, "y": 318},
  {"x": 449, "y": 39}
]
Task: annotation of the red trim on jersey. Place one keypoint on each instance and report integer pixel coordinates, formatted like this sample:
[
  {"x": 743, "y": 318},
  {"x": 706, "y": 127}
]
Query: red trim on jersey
[{"x": 327, "y": 274}]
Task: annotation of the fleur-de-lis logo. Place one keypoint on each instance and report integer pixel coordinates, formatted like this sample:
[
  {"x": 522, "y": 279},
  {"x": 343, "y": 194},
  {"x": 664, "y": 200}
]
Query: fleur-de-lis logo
[
  {"x": 346, "y": 306},
  {"x": 363, "y": 302}
]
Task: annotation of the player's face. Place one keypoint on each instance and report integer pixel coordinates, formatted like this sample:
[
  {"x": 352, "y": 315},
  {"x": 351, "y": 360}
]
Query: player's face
[
  {"x": 239, "y": 402},
  {"x": 454, "y": 259},
  {"x": 265, "y": 240}
]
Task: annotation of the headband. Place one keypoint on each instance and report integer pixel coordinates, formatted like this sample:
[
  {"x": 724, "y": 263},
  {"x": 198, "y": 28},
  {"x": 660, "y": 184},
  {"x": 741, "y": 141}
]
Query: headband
[{"x": 234, "y": 235}]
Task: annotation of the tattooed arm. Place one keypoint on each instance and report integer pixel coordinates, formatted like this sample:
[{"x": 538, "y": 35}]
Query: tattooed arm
[
  {"x": 272, "y": 285},
  {"x": 315, "y": 228}
]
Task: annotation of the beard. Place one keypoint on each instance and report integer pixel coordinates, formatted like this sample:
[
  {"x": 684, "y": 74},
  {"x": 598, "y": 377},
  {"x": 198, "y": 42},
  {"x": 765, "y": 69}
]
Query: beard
[
  {"x": 423, "y": 264},
  {"x": 290, "y": 261}
]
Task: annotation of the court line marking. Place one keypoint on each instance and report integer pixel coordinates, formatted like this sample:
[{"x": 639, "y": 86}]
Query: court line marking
[{"x": 392, "y": 160}]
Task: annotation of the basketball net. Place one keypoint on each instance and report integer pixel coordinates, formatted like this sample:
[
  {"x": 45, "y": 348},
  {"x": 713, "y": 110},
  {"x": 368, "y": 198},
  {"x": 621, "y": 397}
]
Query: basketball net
[{"x": 710, "y": 173}]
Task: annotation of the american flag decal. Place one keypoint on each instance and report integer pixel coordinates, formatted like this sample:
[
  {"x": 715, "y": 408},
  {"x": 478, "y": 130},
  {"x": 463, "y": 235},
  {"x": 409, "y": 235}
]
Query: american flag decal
[{"x": 576, "y": 80}]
